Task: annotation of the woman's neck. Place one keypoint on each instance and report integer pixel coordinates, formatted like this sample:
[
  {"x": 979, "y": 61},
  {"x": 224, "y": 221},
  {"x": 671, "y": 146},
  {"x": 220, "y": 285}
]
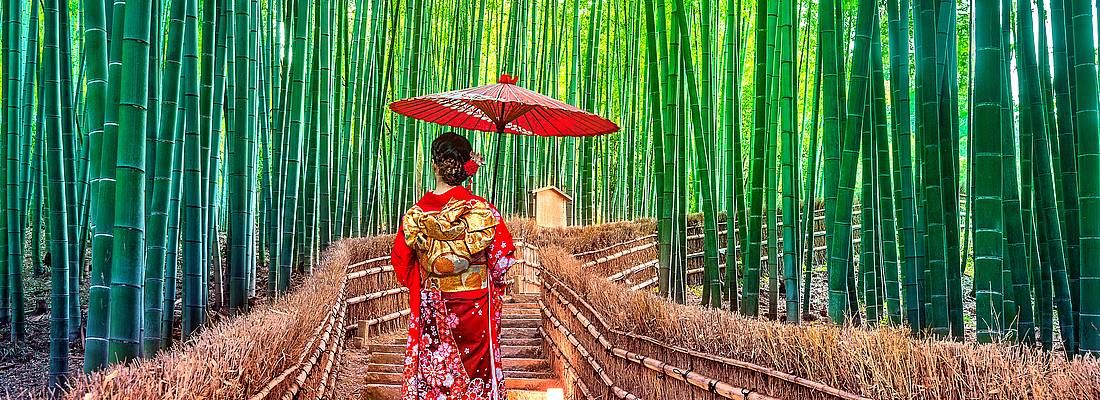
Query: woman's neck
[{"x": 442, "y": 187}]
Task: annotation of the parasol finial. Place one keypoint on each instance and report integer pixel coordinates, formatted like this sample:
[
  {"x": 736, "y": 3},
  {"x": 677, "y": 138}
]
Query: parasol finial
[{"x": 508, "y": 79}]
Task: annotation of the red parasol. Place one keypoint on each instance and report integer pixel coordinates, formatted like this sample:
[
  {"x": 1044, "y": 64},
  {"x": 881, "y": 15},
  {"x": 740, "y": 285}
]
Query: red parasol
[{"x": 504, "y": 107}]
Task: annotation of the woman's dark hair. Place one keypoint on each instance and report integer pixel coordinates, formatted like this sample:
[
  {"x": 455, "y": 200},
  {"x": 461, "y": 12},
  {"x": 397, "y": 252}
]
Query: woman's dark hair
[{"x": 449, "y": 154}]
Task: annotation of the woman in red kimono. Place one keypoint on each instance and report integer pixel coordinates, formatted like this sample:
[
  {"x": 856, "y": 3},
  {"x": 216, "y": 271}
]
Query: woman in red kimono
[{"x": 452, "y": 252}]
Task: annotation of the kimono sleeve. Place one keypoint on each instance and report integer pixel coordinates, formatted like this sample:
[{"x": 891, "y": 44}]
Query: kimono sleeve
[
  {"x": 501, "y": 252},
  {"x": 403, "y": 259}
]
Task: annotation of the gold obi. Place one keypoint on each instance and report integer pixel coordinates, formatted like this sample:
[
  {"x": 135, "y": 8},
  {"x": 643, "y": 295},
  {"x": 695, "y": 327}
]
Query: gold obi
[
  {"x": 473, "y": 278},
  {"x": 450, "y": 244}
]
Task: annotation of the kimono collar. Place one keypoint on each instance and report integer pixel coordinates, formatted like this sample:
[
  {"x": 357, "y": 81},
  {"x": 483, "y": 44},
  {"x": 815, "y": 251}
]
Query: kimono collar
[{"x": 433, "y": 201}]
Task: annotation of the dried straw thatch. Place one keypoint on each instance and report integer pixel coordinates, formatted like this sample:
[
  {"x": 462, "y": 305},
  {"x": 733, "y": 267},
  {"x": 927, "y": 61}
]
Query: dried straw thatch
[
  {"x": 283, "y": 349},
  {"x": 882, "y": 363}
]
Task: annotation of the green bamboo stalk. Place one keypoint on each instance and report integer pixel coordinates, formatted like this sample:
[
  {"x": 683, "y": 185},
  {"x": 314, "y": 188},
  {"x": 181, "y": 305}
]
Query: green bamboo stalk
[
  {"x": 326, "y": 125},
  {"x": 76, "y": 181},
  {"x": 1033, "y": 116},
  {"x": 29, "y": 168},
  {"x": 833, "y": 110},
  {"x": 666, "y": 206},
  {"x": 103, "y": 196},
  {"x": 950, "y": 108},
  {"x": 1069, "y": 153},
  {"x": 239, "y": 260},
  {"x": 168, "y": 295},
  {"x": 735, "y": 180},
  {"x": 840, "y": 245},
  {"x": 771, "y": 155},
  {"x": 886, "y": 225},
  {"x": 788, "y": 111},
  {"x": 869, "y": 225},
  {"x": 750, "y": 293},
  {"x": 931, "y": 173},
  {"x": 654, "y": 84},
  {"x": 293, "y": 158},
  {"x": 12, "y": 110},
  {"x": 128, "y": 246},
  {"x": 5, "y": 263},
  {"x": 1088, "y": 166},
  {"x": 902, "y": 139},
  {"x": 59, "y": 262},
  {"x": 810, "y": 210},
  {"x": 1049, "y": 237},
  {"x": 194, "y": 278},
  {"x": 163, "y": 184}
]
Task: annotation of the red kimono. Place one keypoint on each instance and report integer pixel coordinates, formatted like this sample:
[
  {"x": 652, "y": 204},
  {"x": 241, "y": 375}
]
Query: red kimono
[{"x": 452, "y": 252}]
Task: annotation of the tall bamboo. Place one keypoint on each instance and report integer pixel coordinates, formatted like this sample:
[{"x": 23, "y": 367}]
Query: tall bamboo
[
  {"x": 59, "y": 233},
  {"x": 1088, "y": 167},
  {"x": 12, "y": 110},
  {"x": 128, "y": 246},
  {"x": 194, "y": 279},
  {"x": 156, "y": 260},
  {"x": 788, "y": 111},
  {"x": 839, "y": 245}
]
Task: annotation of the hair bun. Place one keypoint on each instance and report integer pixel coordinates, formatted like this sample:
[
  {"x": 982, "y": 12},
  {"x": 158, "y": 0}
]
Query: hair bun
[{"x": 450, "y": 153}]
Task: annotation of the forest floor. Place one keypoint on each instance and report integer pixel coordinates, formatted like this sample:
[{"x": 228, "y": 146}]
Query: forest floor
[{"x": 24, "y": 366}]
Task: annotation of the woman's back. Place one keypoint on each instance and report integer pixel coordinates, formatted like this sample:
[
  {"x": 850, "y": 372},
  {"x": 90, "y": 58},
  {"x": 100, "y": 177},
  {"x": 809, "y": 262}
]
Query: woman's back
[{"x": 450, "y": 234}]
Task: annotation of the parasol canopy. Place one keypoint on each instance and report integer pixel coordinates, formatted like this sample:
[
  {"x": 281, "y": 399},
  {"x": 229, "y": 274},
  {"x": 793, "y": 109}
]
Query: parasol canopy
[{"x": 504, "y": 107}]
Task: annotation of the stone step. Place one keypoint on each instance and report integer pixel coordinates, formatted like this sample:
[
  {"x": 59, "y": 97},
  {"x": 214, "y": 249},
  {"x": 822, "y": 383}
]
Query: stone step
[
  {"x": 529, "y": 374},
  {"x": 521, "y": 322},
  {"x": 526, "y": 305},
  {"x": 531, "y": 384},
  {"x": 521, "y": 341},
  {"x": 385, "y": 362},
  {"x": 386, "y": 368},
  {"x": 524, "y": 328},
  {"x": 376, "y": 391},
  {"x": 389, "y": 378},
  {"x": 518, "y": 394},
  {"x": 522, "y": 312},
  {"x": 521, "y": 351},
  {"x": 380, "y": 391},
  {"x": 507, "y": 351},
  {"x": 512, "y": 382},
  {"x": 387, "y": 358},
  {"x": 393, "y": 348},
  {"x": 510, "y": 373},
  {"x": 526, "y": 364},
  {"x": 523, "y": 333}
]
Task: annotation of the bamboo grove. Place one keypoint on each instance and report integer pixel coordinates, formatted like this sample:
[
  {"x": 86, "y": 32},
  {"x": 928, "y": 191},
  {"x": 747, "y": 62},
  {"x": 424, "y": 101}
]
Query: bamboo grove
[
  {"x": 954, "y": 161},
  {"x": 191, "y": 156}
]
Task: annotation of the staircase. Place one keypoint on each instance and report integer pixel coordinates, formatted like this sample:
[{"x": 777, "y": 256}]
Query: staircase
[{"x": 526, "y": 371}]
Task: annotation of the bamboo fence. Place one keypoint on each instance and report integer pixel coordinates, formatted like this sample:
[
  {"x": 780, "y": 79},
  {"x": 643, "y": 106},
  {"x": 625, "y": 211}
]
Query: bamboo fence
[
  {"x": 651, "y": 348},
  {"x": 286, "y": 349}
]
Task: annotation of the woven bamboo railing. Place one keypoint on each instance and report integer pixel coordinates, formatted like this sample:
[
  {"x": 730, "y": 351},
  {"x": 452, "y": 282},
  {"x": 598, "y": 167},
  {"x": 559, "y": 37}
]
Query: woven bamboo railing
[
  {"x": 673, "y": 372},
  {"x": 288, "y": 348},
  {"x": 376, "y": 301}
]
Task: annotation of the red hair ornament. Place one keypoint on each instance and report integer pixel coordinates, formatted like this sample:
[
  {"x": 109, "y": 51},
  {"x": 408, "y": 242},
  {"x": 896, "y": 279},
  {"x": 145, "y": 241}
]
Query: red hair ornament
[{"x": 472, "y": 165}]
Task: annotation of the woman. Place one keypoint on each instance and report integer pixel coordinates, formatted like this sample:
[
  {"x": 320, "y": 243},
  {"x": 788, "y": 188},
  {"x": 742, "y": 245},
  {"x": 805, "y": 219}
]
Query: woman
[{"x": 452, "y": 252}]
